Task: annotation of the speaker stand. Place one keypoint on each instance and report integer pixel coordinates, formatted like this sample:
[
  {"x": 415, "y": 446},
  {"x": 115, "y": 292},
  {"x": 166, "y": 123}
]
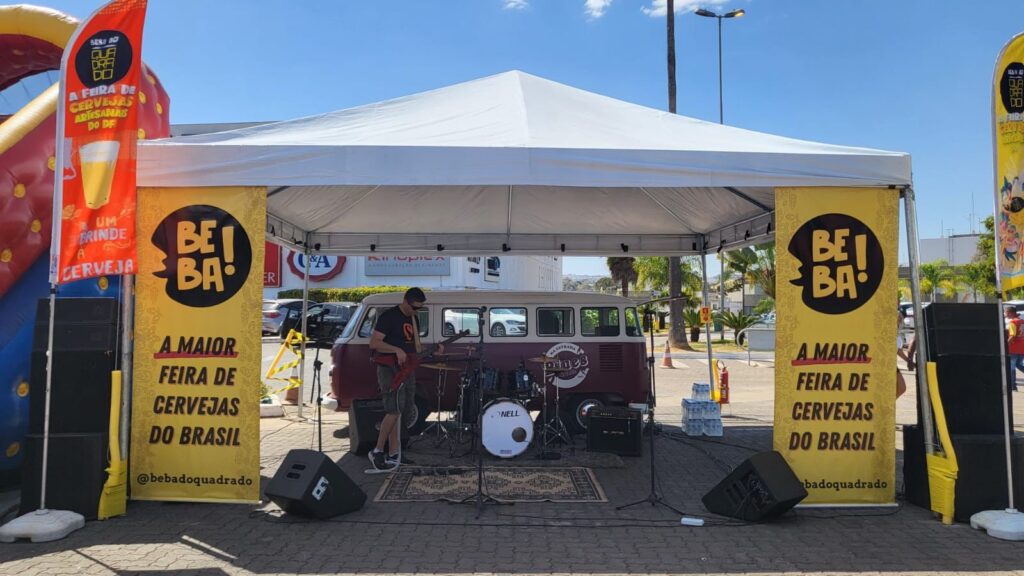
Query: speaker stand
[{"x": 653, "y": 498}]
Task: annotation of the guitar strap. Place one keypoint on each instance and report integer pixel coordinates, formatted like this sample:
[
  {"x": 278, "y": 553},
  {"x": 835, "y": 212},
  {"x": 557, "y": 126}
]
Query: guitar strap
[{"x": 416, "y": 332}]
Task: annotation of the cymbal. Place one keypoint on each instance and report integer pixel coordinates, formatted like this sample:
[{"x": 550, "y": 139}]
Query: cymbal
[{"x": 441, "y": 366}]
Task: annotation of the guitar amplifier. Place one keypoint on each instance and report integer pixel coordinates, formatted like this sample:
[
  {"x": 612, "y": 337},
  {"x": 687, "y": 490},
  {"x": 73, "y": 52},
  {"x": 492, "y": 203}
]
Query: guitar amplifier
[{"x": 615, "y": 429}]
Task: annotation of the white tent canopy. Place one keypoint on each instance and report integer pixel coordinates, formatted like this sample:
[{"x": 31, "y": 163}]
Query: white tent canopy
[{"x": 512, "y": 163}]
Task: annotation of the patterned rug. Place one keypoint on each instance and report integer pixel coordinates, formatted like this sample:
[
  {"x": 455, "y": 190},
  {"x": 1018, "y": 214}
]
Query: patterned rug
[{"x": 508, "y": 484}]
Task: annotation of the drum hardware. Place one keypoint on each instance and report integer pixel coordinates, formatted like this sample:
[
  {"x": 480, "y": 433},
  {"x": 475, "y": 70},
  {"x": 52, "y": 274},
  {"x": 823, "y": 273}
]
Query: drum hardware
[
  {"x": 442, "y": 367},
  {"x": 552, "y": 429},
  {"x": 440, "y": 426}
]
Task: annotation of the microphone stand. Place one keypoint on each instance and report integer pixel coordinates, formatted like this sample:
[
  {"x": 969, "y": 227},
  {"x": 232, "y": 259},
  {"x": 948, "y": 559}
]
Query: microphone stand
[
  {"x": 653, "y": 497},
  {"x": 480, "y": 497}
]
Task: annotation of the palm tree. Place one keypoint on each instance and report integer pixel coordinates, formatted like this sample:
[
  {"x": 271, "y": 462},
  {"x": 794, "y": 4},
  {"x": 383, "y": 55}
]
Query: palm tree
[
  {"x": 622, "y": 272},
  {"x": 935, "y": 273},
  {"x": 763, "y": 271},
  {"x": 737, "y": 322},
  {"x": 691, "y": 316},
  {"x": 741, "y": 261}
]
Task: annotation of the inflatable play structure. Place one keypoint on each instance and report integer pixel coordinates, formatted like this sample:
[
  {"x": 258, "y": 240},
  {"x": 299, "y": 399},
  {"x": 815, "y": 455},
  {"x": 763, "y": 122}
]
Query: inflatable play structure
[{"x": 32, "y": 41}]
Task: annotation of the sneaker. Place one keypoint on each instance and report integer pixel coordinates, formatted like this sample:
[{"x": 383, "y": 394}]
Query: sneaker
[
  {"x": 379, "y": 461},
  {"x": 393, "y": 460}
]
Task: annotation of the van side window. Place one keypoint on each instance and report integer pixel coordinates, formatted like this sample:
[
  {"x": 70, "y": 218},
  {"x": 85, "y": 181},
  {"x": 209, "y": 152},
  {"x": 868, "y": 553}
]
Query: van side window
[
  {"x": 459, "y": 319},
  {"x": 366, "y": 328},
  {"x": 555, "y": 322},
  {"x": 633, "y": 323},
  {"x": 423, "y": 321},
  {"x": 603, "y": 321},
  {"x": 506, "y": 322}
]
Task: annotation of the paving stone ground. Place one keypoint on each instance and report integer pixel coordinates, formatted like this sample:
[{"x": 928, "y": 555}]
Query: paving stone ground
[{"x": 543, "y": 538}]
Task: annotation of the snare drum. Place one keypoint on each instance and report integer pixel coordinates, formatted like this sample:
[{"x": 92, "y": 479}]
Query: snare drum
[{"x": 507, "y": 428}]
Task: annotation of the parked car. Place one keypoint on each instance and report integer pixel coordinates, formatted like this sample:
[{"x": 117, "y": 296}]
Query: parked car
[
  {"x": 508, "y": 322},
  {"x": 324, "y": 321},
  {"x": 908, "y": 310},
  {"x": 275, "y": 311}
]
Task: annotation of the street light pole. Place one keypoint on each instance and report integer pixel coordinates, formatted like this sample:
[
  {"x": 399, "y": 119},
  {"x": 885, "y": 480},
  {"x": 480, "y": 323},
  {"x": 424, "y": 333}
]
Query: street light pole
[{"x": 721, "y": 120}]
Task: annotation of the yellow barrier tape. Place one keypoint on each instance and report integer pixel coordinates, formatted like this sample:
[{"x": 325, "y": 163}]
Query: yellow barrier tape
[{"x": 292, "y": 343}]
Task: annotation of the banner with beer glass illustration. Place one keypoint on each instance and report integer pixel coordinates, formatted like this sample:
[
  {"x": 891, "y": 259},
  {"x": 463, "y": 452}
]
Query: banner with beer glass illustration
[
  {"x": 835, "y": 357},
  {"x": 1008, "y": 135},
  {"x": 195, "y": 404},
  {"x": 97, "y": 131}
]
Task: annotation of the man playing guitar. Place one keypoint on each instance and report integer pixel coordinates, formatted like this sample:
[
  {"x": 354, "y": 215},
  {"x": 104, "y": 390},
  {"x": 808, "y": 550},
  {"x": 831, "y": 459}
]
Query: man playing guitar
[{"x": 395, "y": 340}]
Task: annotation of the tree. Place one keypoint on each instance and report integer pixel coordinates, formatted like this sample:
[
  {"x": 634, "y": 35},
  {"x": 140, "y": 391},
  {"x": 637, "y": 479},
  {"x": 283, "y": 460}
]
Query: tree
[
  {"x": 763, "y": 270},
  {"x": 604, "y": 284},
  {"x": 741, "y": 261},
  {"x": 622, "y": 272},
  {"x": 937, "y": 274},
  {"x": 691, "y": 318}
]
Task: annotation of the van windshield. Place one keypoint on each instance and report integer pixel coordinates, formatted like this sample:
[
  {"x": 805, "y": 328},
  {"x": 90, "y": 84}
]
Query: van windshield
[{"x": 350, "y": 326}]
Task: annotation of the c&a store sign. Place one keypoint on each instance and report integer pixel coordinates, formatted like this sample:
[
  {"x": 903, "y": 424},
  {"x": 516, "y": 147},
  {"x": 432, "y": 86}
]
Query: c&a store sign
[{"x": 321, "y": 267}]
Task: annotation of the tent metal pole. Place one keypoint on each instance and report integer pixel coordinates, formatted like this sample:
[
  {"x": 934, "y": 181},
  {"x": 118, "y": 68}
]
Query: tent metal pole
[
  {"x": 913, "y": 255},
  {"x": 707, "y": 303},
  {"x": 305, "y": 310},
  {"x": 127, "y": 347}
]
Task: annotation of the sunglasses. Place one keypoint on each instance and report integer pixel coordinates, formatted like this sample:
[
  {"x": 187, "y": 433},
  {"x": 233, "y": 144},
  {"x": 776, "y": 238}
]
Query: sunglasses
[{"x": 416, "y": 305}]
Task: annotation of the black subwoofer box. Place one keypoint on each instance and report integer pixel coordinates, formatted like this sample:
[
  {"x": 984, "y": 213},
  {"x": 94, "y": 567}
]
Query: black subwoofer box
[
  {"x": 761, "y": 488},
  {"x": 981, "y": 482},
  {"x": 75, "y": 474},
  {"x": 309, "y": 484},
  {"x": 615, "y": 429}
]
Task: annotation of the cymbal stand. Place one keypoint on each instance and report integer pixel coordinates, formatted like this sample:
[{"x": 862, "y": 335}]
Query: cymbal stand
[
  {"x": 555, "y": 424},
  {"x": 544, "y": 453},
  {"x": 442, "y": 433},
  {"x": 653, "y": 497}
]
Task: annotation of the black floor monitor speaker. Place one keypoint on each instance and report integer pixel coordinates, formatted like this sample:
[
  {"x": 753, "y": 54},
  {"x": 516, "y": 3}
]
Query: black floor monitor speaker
[
  {"x": 981, "y": 481},
  {"x": 615, "y": 429},
  {"x": 761, "y": 488},
  {"x": 75, "y": 474},
  {"x": 364, "y": 418},
  {"x": 309, "y": 484}
]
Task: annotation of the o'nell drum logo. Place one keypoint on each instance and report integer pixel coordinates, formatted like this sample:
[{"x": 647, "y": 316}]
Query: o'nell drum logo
[
  {"x": 572, "y": 364},
  {"x": 208, "y": 255},
  {"x": 841, "y": 263}
]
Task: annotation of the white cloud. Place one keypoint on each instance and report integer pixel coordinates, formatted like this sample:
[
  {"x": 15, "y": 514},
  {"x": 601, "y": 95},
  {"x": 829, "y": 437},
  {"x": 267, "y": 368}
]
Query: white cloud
[
  {"x": 659, "y": 7},
  {"x": 596, "y": 8},
  {"x": 516, "y": 4}
]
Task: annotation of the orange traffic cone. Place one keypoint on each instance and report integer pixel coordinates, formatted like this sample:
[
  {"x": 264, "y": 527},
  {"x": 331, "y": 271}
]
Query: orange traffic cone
[{"x": 666, "y": 358}]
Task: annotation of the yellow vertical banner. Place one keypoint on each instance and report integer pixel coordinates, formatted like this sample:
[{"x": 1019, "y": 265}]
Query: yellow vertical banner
[
  {"x": 195, "y": 403},
  {"x": 1008, "y": 135},
  {"x": 835, "y": 356}
]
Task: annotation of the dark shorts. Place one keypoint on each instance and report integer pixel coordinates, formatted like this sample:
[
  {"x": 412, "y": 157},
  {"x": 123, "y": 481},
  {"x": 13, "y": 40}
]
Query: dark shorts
[{"x": 396, "y": 401}]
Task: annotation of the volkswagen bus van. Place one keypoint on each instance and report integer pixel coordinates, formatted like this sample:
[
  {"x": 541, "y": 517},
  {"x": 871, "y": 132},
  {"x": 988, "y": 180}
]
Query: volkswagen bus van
[{"x": 593, "y": 342}]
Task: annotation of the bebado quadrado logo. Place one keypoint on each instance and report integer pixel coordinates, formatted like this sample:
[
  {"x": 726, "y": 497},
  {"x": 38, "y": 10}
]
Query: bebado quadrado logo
[
  {"x": 1011, "y": 88},
  {"x": 104, "y": 58},
  {"x": 208, "y": 255},
  {"x": 841, "y": 263}
]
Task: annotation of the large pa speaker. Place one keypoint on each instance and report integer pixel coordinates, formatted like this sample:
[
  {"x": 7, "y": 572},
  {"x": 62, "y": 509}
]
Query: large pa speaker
[
  {"x": 963, "y": 341},
  {"x": 761, "y": 488},
  {"x": 981, "y": 481},
  {"x": 309, "y": 484},
  {"x": 615, "y": 429},
  {"x": 364, "y": 418},
  {"x": 84, "y": 344},
  {"x": 962, "y": 329},
  {"x": 75, "y": 474}
]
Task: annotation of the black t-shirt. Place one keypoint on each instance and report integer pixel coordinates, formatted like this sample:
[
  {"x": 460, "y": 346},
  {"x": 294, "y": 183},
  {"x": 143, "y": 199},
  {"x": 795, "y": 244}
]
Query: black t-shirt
[{"x": 398, "y": 329}]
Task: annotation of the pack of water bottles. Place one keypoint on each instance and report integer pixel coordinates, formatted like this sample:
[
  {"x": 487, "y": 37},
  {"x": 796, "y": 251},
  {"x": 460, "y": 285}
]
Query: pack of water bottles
[{"x": 702, "y": 416}]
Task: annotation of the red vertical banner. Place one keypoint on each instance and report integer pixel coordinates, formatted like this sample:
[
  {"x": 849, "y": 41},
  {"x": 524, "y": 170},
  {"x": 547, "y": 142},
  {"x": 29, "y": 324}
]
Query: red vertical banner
[
  {"x": 272, "y": 266},
  {"x": 97, "y": 132}
]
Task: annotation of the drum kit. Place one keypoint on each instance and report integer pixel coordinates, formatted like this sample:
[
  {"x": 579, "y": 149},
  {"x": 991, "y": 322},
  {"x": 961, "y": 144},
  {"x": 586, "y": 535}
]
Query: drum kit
[{"x": 492, "y": 407}]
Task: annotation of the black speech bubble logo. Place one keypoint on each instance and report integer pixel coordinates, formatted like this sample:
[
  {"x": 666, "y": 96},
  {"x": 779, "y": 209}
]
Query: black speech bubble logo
[
  {"x": 104, "y": 58},
  {"x": 841, "y": 263},
  {"x": 208, "y": 255}
]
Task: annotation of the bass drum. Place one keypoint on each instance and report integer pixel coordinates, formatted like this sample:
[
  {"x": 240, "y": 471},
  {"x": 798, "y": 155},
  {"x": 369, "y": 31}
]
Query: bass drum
[{"x": 507, "y": 428}]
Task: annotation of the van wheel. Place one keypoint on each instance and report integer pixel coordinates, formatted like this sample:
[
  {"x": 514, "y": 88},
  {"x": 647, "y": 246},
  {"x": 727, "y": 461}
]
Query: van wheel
[
  {"x": 417, "y": 421},
  {"x": 575, "y": 412}
]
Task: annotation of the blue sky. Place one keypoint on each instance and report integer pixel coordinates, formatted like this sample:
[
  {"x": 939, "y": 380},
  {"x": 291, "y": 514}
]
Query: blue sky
[{"x": 908, "y": 75}]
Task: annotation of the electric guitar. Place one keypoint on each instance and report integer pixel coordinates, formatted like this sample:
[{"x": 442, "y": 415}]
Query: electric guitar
[{"x": 412, "y": 360}]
